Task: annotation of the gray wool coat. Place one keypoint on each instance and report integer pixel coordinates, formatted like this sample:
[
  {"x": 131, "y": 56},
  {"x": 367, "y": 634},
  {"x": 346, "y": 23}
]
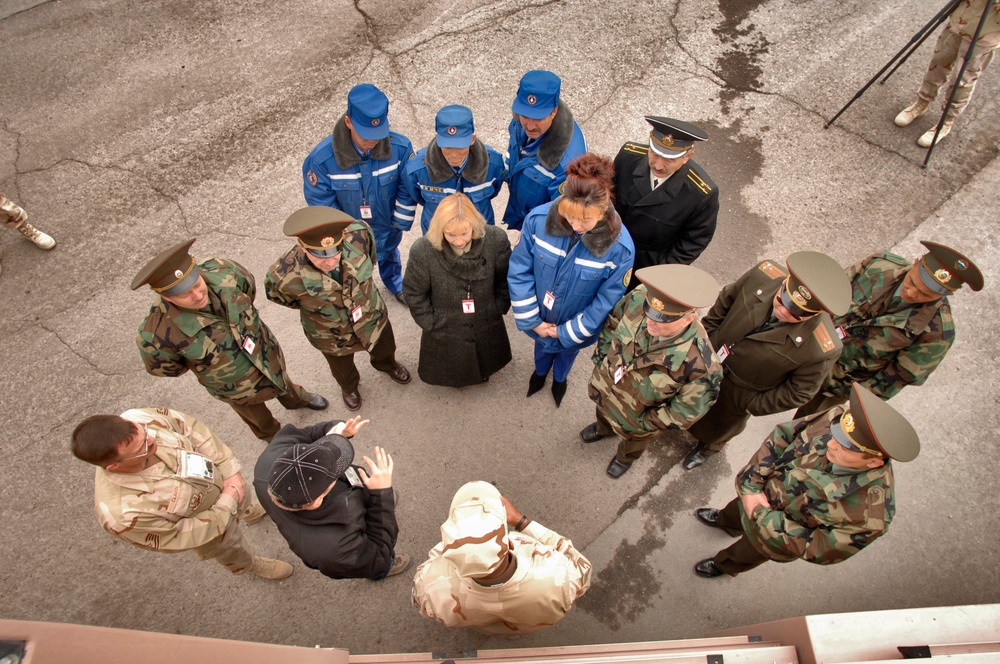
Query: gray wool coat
[{"x": 458, "y": 348}]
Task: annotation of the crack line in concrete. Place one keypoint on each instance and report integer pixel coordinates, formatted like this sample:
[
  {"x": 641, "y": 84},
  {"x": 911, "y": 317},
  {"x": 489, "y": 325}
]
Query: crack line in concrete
[
  {"x": 28, "y": 9},
  {"x": 81, "y": 356}
]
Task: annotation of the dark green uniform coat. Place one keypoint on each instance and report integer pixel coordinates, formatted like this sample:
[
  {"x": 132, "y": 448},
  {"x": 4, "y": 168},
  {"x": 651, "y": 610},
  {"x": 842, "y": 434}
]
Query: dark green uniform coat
[
  {"x": 172, "y": 340},
  {"x": 459, "y": 348},
  {"x": 338, "y": 317},
  {"x": 664, "y": 383},
  {"x": 766, "y": 371}
]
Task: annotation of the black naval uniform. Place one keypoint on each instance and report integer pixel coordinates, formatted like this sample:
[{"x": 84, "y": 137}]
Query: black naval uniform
[{"x": 673, "y": 224}]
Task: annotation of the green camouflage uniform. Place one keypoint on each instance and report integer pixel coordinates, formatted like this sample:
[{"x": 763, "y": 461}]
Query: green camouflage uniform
[
  {"x": 155, "y": 509},
  {"x": 172, "y": 340},
  {"x": 667, "y": 383},
  {"x": 888, "y": 343},
  {"x": 326, "y": 305},
  {"x": 819, "y": 513},
  {"x": 550, "y": 575}
]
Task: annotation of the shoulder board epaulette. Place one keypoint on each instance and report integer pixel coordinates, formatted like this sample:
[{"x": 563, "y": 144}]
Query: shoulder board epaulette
[
  {"x": 772, "y": 270},
  {"x": 698, "y": 182},
  {"x": 896, "y": 258},
  {"x": 824, "y": 339},
  {"x": 412, "y": 155},
  {"x": 635, "y": 148}
]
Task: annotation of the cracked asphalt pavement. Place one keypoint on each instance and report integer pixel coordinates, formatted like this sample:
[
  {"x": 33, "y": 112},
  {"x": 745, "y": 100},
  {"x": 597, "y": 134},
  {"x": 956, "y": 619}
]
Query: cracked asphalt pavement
[{"x": 126, "y": 127}]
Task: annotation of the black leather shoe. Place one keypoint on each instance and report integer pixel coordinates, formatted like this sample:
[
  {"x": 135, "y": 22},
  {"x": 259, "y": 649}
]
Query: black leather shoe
[
  {"x": 616, "y": 468},
  {"x": 399, "y": 298},
  {"x": 707, "y": 569},
  {"x": 708, "y": 516},
  {"x": 352, "y": 400},
  {"x": 535, "y": 383},
  {"x": 317, "y": 402},
  {"x": 590, "y": 434},
  {"x": 695, "y": 458},
  {"x": 399, "y": 374},
  {"x": 558, "y": 391}
]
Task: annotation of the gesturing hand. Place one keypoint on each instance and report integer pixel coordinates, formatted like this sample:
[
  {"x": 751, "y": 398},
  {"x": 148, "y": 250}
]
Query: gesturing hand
[
  {"x": 379, "y": 475},
  {"x": 354, "y": 425}
]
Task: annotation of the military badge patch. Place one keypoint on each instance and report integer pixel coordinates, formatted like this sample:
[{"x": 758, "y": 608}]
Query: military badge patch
[
  {"x": 311, "y": 177},
  {"x": 628, "y": 277},
  {"x": 942, "y": 275},
  {"x": 562, "y": 187},
  {"x": 452, "y": 131},
  {"x": 376, "y": 122},
  {"x": 532, "y": 100}
]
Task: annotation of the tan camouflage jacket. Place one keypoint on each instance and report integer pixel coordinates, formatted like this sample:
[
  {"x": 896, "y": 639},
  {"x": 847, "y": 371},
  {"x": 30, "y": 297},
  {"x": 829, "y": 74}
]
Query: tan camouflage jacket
[
  {"x": 888, "y": 343},
  {"x": 965, "y": 19},
  {"x": 550, "y": 575},
  {"x": 815, "y": 514},
  {"x": 172, "y": 340},
  {"x": 664, "y": 383},
  {"x": 154, "y": 508},
  {"x": 338, "y": 318}
]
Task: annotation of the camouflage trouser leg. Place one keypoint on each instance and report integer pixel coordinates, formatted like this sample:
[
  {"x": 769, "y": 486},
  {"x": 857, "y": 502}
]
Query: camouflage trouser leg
[
  {"x": 949, "y": 50},
  {"x": 229, "y": 550},
  {"x": 740, "y": 556},
  {"x": 295, "y": 397},
  {"x": 11, "y": 214}
]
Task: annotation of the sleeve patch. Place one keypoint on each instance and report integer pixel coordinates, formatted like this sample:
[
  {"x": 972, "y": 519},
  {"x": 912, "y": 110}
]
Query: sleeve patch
[
  {"x": 824, "y": 339},
  {"x": 562, "y": 188},
  {"x": 771, "y": 270},
  {"x": 311, "y": 177}
]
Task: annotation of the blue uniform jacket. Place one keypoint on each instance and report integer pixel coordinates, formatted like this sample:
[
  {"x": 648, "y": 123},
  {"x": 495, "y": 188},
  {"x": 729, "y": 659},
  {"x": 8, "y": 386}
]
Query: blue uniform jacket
[
  {"x": 428, "y": 178},
  {"x": 534, "y": 175},
  {"x": 586, "y": 281}
]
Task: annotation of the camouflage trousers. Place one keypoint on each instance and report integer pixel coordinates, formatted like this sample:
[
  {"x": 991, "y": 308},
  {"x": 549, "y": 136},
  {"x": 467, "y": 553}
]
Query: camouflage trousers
[
  {"x": 229, "y": 550},
  {"x": 382, "y": 356},
  {"x": 11, "y": 214},
  {"x": 630, "y": 447},
  {"x": 740, "y": 556},
  {"x": 951, "y": 48},
  {"x": 258, "y": 416}
]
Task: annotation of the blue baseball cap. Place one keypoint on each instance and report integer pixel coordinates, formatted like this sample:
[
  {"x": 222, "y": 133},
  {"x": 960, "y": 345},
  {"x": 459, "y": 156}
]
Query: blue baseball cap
[
  {"x": 538, "y": 94},
  {"x": 454, "y": 127},
  {"x": 368, "y": 108}
]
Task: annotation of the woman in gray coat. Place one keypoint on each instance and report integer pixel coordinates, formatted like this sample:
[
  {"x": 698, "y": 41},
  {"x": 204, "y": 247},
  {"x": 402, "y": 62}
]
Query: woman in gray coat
[{"x": 456, "y": 288}]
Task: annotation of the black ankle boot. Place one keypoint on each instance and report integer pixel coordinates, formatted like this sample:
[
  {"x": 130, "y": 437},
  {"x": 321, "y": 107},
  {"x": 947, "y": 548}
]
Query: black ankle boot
[
  {"x": 558, "y": 391},
  {"x": 535, "y": 383}
]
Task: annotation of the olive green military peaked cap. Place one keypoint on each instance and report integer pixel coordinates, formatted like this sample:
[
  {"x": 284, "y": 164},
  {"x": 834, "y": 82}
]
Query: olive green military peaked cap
[
  {"x": 172, "y": 272},
  {"x": 871, "y": 425},
  {"x": 319, "y": 228},
  {"x": 674, "y": 291},
  {"x": 944, "y": 270},
  {"x": 816, "y": 283}
]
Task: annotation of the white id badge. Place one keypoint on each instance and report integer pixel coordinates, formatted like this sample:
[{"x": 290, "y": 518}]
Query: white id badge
[
  {"x": 352, "y": 477},
  {"x": 468, "y": 307},
  {"x": 722, "y": 352},
  {"x": 249, "y": 344},
  {"x": 548, "y": 300},
  {"x": 197, "y": 466},
  {"x": 619, "y": 372},
  {"x": 356, "y": 314},
  {"x": 366, "y": 212},
  {"x": 841, "y": 332}
]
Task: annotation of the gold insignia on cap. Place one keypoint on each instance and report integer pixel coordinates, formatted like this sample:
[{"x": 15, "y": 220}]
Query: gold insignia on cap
[
  {"x": 656, "y": 303},
  {"x": 942, "y": 275},
  {"x": 801, "y": 297},
  {"x": 667, "y": 140},
  {"x": 327, "y": 242},
  {"x": 178, "y": 273},
  {"x": 847, "y": 423}
]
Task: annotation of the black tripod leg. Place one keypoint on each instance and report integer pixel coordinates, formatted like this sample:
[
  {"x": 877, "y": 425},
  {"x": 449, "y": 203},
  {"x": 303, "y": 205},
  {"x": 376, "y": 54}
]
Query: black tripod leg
[
  {"x": 932, "y": 25},
  {"x": 958, "y": 80}
]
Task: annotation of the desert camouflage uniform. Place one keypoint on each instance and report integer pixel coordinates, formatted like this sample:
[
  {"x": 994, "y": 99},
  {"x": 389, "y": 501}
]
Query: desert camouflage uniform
[
  {"x": 11, "y": 214},
  {"x": 550, "y": 575},
  {"x": 888, "y": 343},
  {"x": 818, "y": 512},
  {"x": 667, "y": 383},
  {"x": 172, "y": 340},
  {"x": 157, "y": 510}
]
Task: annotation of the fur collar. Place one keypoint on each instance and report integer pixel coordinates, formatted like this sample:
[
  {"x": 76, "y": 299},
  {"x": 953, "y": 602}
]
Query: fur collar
[
  {"x": 597, "y": 241},
  {"x": 475, "y": 170},
  {"x": 343, "y": 148},
  {"x": 556, "y": 139}
]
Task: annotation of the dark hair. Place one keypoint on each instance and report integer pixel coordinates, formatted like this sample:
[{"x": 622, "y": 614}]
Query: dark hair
[
  {"x": 97, "y": 438},
  {"x": 590, "y": 180}
]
